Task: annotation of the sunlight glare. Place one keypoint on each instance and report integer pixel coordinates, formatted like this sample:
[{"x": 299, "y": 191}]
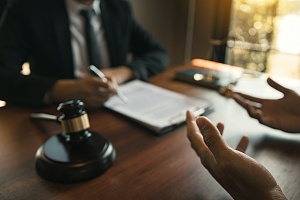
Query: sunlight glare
[{"x": 288, "y": 39}]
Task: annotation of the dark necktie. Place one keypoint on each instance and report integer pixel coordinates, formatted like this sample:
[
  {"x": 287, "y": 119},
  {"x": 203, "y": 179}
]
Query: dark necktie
[{"x": 92, "y": 47}]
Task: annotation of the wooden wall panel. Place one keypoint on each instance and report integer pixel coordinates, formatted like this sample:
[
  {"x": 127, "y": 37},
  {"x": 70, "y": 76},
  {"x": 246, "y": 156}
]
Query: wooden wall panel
[{"x": 167, "y": 21}]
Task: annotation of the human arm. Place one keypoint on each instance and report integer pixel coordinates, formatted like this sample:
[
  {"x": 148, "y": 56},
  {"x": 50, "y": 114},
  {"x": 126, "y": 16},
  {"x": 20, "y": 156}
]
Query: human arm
[
  {"x": 241, "y": 176},
  {"x": 120, "y": 74},
  {"x": 24, "y": 37},
  {"x": 149, "y": 57},
  {"x": 128, "y": 43},
  {"x": 282, "y": 114},
  {"x": 16, "y": 47}
]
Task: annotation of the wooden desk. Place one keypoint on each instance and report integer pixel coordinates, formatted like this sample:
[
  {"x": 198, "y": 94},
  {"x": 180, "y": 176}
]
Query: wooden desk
[{"x": 147, "y": 166}]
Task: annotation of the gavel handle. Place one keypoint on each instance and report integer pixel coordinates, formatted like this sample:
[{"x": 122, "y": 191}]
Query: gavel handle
[{"x": 44, "y": 116}]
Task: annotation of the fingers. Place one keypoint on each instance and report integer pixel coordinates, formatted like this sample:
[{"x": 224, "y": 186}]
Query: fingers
[
  {"x": 266, "y": 120},
  {"x": 220, "y": 127},
  {"x": 211, "y": 136},
  {"x": 207, "y": 158},
  {"x": 194, "y": 135},
  {"x": 241, "y": 98},
  {"x": 277, "y": 86},
  {"x": 93, "y": 91},
  {"x": 108, "y": 84},
  {"x": 243, "y": 144},
  {"x": 254, "y": 112},
  {"x": 211, "y": 146},
  {"x": 251, "y": 108},
  {"x": 94, "y": 98},
  {"x": 102, "y": 89}
]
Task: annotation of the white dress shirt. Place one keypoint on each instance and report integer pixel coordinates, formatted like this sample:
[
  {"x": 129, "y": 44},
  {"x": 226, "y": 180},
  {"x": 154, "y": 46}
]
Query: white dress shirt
[{"x": 77, "y": 30}]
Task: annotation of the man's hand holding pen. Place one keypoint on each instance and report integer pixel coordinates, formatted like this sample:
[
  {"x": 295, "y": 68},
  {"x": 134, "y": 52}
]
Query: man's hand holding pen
[
  {"x": 120, "y": 73},
  {"x": 97, "y": 73},
  {"x": 91, "y": 89}
]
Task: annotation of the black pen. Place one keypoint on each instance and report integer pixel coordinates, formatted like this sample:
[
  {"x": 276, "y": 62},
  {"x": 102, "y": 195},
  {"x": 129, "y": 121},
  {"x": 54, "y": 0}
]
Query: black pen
[{"x": 96, "y": 72}]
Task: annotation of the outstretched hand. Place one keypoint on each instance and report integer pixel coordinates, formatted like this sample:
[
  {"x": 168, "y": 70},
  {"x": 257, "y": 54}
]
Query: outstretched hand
[
  {"x": 240, "y": 175},
  {"x": 282, "y": 114}
]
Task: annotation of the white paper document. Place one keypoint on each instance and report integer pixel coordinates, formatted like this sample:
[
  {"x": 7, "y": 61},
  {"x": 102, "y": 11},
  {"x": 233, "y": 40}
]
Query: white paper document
[{"x": 154, "y": 107}]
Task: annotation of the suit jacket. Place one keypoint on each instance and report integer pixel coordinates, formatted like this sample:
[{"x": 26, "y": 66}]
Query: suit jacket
[
  {"x": 38, "y": 32},
  {"x": 2, "y": 6}
]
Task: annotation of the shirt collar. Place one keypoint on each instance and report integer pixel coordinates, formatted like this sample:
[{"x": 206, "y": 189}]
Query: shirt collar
[{"x": 73, "y": 7}]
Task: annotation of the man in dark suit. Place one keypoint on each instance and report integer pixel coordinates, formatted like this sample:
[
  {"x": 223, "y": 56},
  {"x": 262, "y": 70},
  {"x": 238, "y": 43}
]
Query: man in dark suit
[{"x": 44, "y": 33}]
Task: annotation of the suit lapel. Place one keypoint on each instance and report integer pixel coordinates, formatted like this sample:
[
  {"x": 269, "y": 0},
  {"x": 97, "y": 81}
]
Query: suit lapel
[
  {"x": 63, "y": 37},
  {"x": 107, "y": 18}
]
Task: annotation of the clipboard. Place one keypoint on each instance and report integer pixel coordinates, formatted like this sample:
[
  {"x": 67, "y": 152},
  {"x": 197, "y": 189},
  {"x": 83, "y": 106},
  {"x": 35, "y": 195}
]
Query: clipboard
[{"x": 156, "y": 108}]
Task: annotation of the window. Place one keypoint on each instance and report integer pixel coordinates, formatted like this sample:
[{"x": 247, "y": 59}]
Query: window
[{"x": 265, "y": 36}]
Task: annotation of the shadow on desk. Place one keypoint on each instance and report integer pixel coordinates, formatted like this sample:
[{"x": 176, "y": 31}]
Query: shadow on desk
[
  {"x": 279, "y": 153},
  {"x": 287, "y": 143}
]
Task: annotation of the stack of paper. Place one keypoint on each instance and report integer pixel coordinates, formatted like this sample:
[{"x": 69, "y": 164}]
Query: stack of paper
[{"x": 156, "y": 108}]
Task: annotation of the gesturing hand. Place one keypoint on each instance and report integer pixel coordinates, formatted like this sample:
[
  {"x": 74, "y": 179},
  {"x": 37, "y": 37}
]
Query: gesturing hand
[
  {"x": 282, "y": 114},
  {"x": 240, "y": 175}
]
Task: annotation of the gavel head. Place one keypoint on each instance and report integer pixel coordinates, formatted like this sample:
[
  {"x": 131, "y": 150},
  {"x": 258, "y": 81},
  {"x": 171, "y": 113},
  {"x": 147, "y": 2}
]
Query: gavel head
[
  {"x": 71, "y": 109},
  {"x": 74, "y": 121}
]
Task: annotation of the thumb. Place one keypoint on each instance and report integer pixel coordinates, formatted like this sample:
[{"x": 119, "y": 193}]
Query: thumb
[
  {"x": 277, "y": 86},
  {"x": 211, "y": 136}
]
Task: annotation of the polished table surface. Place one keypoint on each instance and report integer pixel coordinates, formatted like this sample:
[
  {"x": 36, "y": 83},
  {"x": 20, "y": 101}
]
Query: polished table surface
[{"x": 146, "y": 166}]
